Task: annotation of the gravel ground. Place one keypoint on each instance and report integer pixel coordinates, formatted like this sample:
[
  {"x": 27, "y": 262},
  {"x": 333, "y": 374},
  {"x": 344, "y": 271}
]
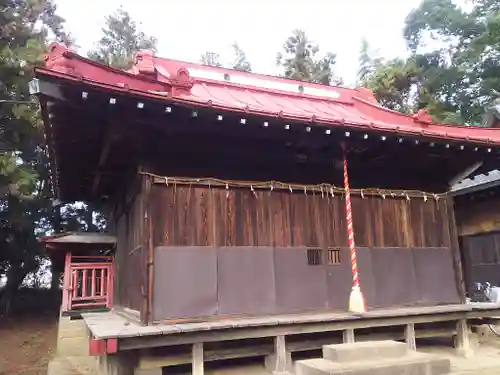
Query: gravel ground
[{"x": 485, "y": 359}]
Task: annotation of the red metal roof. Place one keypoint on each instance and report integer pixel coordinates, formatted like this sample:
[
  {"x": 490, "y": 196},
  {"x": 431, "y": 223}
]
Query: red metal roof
[{"x": 230, "y": 90}]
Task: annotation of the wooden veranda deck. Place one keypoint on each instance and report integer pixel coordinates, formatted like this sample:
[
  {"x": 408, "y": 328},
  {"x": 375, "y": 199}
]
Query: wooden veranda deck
[
  {"x": 131, "y": 335},
  {"x": 276, "y": 338}
]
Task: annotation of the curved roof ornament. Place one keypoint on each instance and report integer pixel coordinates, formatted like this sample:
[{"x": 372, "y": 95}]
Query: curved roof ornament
[{"x": 422, "y": 116}]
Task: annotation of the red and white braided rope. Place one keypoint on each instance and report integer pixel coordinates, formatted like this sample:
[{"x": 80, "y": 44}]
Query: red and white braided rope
[{"x": 350, "y": 229}]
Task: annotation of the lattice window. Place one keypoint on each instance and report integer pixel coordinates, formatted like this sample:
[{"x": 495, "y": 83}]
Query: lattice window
[
  {"x": 314, "y": 257},
  {"x": 333, "y": 256}
]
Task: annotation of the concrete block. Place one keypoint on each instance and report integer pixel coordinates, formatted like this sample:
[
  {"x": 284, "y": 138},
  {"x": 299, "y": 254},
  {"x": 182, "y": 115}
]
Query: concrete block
[
  {"x": 65, "y": 322},
  {"x": 385, "y": 369},
  {"x": 316, "y": 366},
  {"x": 73, "y": 347},
  {"x": 412, "y": 363},
  {"x": 72, "y": 328},
  {"x": 362, "y": 351}
]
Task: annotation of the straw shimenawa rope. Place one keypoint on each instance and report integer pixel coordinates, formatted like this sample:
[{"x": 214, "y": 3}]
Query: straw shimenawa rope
[{"x": 324, "y": 189}]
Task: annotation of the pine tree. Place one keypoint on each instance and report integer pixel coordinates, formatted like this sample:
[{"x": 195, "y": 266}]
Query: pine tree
[
  {"x": 24, "y": 188},
  {"x": 121, "y": 39},
  {"x": 240, "y": 63},
  {"x": 366, "y": 66},
  {"x": 299, "y": 61}
]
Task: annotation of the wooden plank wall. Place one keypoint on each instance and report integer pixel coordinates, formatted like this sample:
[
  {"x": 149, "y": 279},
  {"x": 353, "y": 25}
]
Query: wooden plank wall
[
  {"x": 478, "y": 217},
  {"x": 202, "y": 216},
  {"x": 250, "y": 251},
  {"x": 481, "y": 253},
  {"x": 129, "y": 255}
]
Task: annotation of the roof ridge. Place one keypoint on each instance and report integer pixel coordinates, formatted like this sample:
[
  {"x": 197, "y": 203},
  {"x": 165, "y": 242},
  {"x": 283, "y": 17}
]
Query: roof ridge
[{"x": 254, "y": 74}]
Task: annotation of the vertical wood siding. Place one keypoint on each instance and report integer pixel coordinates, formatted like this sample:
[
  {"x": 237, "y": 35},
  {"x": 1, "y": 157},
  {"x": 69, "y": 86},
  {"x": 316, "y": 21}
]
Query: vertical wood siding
[
  {"x": 201, "y": 216},
  {"x": 129, "y": 256}
]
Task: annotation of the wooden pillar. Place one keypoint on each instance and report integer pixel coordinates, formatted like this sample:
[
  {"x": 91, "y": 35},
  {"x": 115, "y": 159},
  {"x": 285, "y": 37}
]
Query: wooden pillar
[
  {"x": 410, "y": 336},
  {"x": 66, "y": 297},
  {"x": 455, "y": 249},
  {"x": 198, "y": 367},
  {"x": 280, "y": 362},
  {"x": 280, "y": 350},
  {"x": 348, "y": 336},
  {"x": 56, "y": 263},
  {"x": 462, "y": 339}
]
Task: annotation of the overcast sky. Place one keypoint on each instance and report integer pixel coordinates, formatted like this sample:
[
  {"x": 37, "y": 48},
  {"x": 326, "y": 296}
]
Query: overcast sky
[{"x": 187, "y": 28}]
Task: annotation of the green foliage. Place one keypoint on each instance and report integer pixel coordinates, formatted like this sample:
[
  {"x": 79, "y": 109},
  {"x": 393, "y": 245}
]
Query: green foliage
[
  {"x": 120, "y": 41},
  {"x": 367, "y": 63},
  {"x": 392, "y": 82},
  {"x": 300, "y": 61},
  {"x": 24, "y": 189},
  {"x": 240, "y": 62},
  {"x": 454, "y": 69}
]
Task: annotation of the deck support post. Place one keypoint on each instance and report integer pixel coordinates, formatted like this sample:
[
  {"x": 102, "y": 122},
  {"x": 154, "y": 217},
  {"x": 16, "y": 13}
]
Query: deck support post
[
  {"x": 348, "y": 336},
  {"x": 410, "y": 336},
  {"x": 462, "y": 339},
  {"x": 118, "y": 364},
  {"x": 281, "y": 361},
  {"x": 198, "y": 365}
]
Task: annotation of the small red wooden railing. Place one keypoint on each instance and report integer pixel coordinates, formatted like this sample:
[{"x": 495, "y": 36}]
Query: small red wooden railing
[{"x": 88, "y": 282}]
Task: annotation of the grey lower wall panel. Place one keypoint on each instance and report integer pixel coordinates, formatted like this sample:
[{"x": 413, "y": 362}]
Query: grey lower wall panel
[
  {"x": 366, "y": 276},
  {"x": 299, "y": 286},
  {"x": 436, "y": 275},
  {"x": 185, "y": 282},
  {"x": 339, "y": 282},
  {"x": 246, "y": 280},
  {"x": 198, "y": 282},
  {"x": 394, "y": 273}
]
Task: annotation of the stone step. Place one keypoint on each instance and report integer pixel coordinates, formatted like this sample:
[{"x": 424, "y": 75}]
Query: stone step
[
  {"x": 364, "y": 351},
  {"x": 412, "y": 363},
  {"x": 73, "y": 347}
]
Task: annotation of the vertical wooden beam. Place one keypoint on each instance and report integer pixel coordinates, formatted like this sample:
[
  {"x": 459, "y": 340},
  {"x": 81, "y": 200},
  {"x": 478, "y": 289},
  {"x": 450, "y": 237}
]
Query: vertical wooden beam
[
  {"x": 410, "y": 336},
  {"x": 280, "y": 361},
  {"x": 57, "y": 265},
  {"x": 455, "y": 249},
  {"x": 150, "y": 248},
  {"x": 110, "y": 285},
  {"x": 462, "y": 340},
  {"x": 348, "y": 336},
  {"x": 109, "y": 137},
  {"x": 405, "y": 218},
  {"x": 198, "y": 367},
  {"x": 145, "y": 233},
  {"x": 66, "y": 295},
  {"x": 280, "y": 350}
]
